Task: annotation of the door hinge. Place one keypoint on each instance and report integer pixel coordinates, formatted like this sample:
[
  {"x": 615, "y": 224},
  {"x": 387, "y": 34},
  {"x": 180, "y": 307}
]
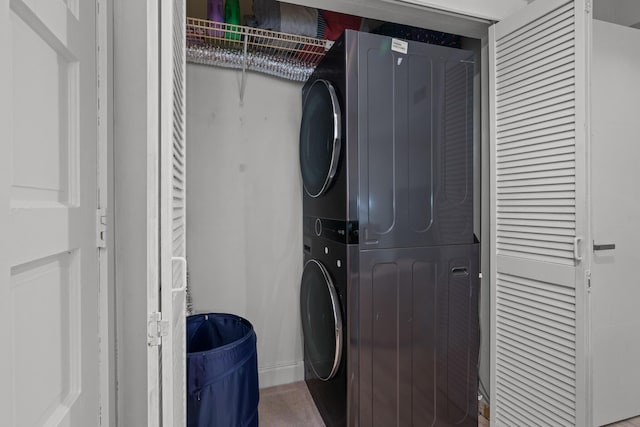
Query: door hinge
[
  {"x": 587, "y": 6},
  {"x": 101, "y": 228},
  {"x": 156, "y": 329},
  {"x": 588, "y": 280}
]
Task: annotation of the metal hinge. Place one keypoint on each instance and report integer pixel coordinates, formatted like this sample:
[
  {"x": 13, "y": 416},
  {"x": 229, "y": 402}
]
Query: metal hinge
[
  {"x": 587, "y": 6},
  {"x": 156, "y": 329},
  {"x": 101, "y": 228},
  {"x": 588, "y": 280}
]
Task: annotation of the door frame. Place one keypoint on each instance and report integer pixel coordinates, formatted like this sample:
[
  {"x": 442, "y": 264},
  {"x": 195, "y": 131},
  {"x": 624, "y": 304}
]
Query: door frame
[
  {"x": 105, "y": 179},
  {"x": 108, "y": 344},
  {"x": 154, "y": 396},
  {"x": 587, "y": 253}
]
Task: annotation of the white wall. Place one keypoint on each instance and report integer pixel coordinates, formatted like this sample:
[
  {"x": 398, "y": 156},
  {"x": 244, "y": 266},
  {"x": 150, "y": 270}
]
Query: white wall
[
  {"x": 621, "y": 12},
  {"x": 244, "y": 209}
]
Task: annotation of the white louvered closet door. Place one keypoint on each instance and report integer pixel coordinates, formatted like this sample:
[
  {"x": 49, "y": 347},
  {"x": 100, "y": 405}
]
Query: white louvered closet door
[
  {"x": 538, "y": 149},
  {"x": 173, "y": 265}
]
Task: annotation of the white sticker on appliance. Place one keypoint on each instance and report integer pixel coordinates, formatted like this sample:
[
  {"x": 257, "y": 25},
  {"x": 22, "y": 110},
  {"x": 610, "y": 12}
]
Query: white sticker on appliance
[{"x": 399, "y": 46}]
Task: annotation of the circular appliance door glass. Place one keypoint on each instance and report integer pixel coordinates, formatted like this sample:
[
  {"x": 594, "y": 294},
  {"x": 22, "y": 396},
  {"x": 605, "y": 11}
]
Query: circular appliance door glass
[
  {"x": 321, "y": 320},
  {"x": 320, "y": 138}
]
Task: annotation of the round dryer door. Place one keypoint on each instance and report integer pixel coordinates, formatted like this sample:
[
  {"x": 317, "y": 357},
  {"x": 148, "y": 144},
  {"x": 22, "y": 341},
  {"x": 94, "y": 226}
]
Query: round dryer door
[
  {"x": 321, "y": 320},
  {"x": 320, "y": 138}
]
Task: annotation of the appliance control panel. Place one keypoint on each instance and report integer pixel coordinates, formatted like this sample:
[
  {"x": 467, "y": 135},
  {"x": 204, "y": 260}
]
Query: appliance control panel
[{"x": 338, "y": 231}]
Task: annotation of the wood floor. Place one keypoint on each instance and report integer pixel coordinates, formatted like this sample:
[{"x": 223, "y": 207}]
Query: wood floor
[
  {"x": 632, "y": 422},
  {"x": 291, "y": 405},
  {"x": 288, "y": 405}
]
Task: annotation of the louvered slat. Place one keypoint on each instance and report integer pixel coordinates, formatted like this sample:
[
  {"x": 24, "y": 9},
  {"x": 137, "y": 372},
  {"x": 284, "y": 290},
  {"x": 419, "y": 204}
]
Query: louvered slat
[
  {"x": 538, "y": 159},
  {"x": 534, "y": 113},
  {"x": 536, "y": 330},
  {"x": 178, "y": 211},
  {"x": 537, "y": 184},
  {"x": 538, "y": 171},
  {"x": 534, "y": 72},
  {"x": 557, "y": 384},
  {"x": 178, "y": 136},
  {"x": 528, "y": 32},
  {"x": 550, "y": 90},
  {"x": 551, "y": 323},
  {"x": 172, "y": 207},
  {"x": 531, "y": 206},
  {"x": 542, "y": 231},
  {"x": 540, "y": 237},
  {"x": 542, "y": 134},
  {"x": 537, "y": 86},
  {"x": 549, "y": 354},
  {"x": 537, "y": 236},
  {"x": 560, "y": 340},
  {"x": 540, "y": 101},
  {"x": 550, "y": 396},
  {"x": 536, "y": 53},
  {"x": 550, "y": 146},
  {"x": 553, "y": 414},
  {"x": 540, "y": 242}
]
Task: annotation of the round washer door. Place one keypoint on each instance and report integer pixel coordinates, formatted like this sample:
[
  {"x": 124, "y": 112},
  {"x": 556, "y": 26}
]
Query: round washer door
[
  {"x": 321, "y": 320},
  {"x": 320, "y": 138}
]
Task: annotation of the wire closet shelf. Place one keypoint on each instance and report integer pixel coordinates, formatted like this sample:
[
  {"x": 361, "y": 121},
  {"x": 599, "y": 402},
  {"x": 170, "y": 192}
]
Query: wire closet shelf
[{"x": 288, "y": 56}]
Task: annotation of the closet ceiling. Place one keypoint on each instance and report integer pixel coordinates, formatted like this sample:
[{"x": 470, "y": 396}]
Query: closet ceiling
[
  {"x": 403, "y": 12},
  {"x": 468, "y": 18},
  {"x": 493, "y": 10}
]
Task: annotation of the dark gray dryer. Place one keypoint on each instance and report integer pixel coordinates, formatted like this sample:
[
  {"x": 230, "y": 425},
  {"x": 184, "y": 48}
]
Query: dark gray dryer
[
  {"x": 386, "y": 141},
  {"x": 389, "y": 293},
  {"x": 418, "y": 337},
  {"x": 391, "y": 336},
  {"x": 327, "y": 309}
]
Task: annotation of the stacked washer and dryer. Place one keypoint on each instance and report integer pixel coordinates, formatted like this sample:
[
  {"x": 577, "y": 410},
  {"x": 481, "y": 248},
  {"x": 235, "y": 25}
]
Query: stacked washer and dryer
[{"x": 389, "y": 291}]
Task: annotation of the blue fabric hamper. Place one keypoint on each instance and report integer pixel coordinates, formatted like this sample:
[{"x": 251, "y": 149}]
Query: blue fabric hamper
[{"x": 222, "y": 371}]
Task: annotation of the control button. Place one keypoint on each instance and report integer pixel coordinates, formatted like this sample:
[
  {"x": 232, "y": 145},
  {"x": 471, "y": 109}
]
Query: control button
[
  {"x": 318, "y": 227},
  {"x": 339, "y": 263},
  {"x": 326, "y": 250}
]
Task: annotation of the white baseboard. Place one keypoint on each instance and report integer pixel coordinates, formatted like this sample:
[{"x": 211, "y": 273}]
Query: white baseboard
[{"x": 278, "y": 375}]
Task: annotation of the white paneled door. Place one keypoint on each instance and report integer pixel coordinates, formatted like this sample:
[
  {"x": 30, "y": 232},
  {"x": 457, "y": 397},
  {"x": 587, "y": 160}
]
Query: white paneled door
[
  {"x": 48, "y": 255},
  {"x": 538, "y": 150}
]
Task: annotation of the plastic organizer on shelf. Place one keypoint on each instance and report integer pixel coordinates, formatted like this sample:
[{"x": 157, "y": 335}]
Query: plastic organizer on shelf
[{"x": 288, "y": 56}]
